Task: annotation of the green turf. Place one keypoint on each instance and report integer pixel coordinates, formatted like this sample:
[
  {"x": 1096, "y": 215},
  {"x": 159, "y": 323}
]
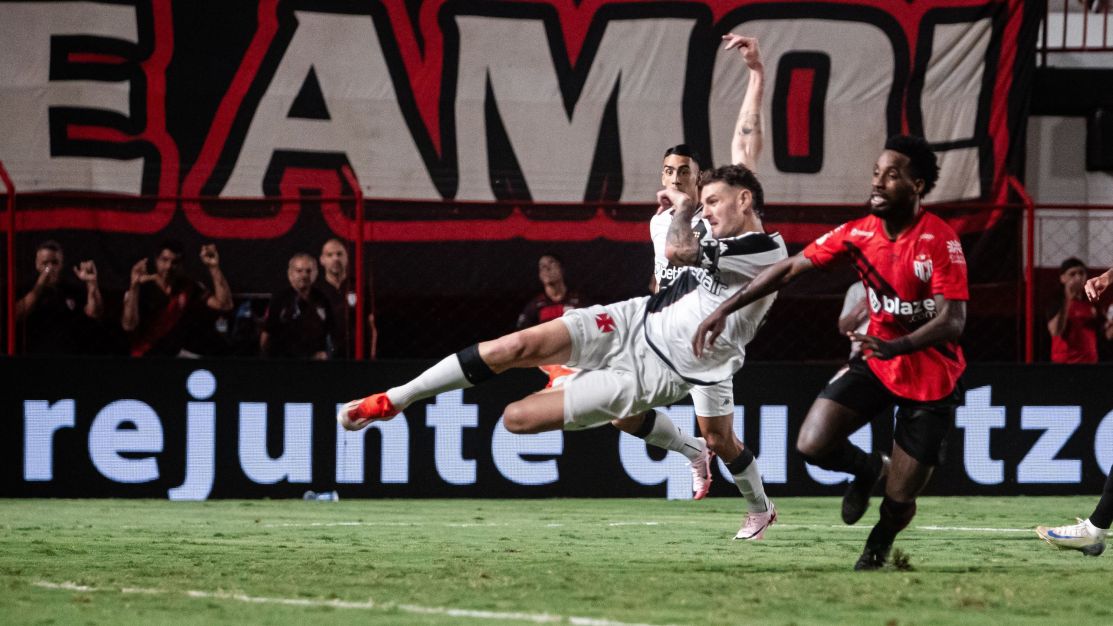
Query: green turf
[{"x": 634, "y": 561}]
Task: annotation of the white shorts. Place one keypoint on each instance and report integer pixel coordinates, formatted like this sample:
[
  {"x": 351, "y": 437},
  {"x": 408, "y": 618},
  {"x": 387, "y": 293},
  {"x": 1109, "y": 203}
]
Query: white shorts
[
  {"x": 714, "y": 400},
  {"x": 620, "y": 376}
]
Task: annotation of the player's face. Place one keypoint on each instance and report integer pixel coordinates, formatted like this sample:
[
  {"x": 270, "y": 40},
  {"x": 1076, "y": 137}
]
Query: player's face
[
  {"x": 168, "y": 263},
  {"x": 680, "y": 173},
  {"x": 895, "y": 190},
  {"x": 724, "y": 208},
  {"x": 334, "y": 258},
  {"x": 302, "y": 272},
  {"x": 549, "y": 270}
]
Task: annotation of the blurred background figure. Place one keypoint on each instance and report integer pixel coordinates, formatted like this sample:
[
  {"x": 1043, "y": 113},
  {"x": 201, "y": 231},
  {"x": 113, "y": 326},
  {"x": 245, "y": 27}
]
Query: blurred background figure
[
  {"x": 855, "y": 315},
  {"x": 167, "y": 312},
  {"x": 60, "y": 313},
  {"x": 1075, "y": 322},
  {"x": 555, "y": 297},
  {"x": 299, "y": 319},
  {"x": 340, "y": 288}
]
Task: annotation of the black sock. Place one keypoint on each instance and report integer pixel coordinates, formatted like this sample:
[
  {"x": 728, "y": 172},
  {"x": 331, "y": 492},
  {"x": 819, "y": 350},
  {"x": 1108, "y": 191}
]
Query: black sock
[
  {"x": 1103, "y": 512},
  {"x": 895, "y": 517},
  {"x": 848, "y": 458},
  {"x": 741, "y": 462},
  {"x": 475, "y": 370},
  {"x": 650, "y": 418}
]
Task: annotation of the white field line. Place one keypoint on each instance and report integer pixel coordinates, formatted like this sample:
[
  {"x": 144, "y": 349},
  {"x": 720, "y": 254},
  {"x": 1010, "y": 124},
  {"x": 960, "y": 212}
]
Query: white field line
[
  {"x": 537, "y": 618},
  {"x": 861, "y": 527}
]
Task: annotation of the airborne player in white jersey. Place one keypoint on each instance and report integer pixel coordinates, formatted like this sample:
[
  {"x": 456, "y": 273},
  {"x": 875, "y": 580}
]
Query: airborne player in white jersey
[
  {"x": 633, "y": 355},
  {"x": 714, "y": 404}
]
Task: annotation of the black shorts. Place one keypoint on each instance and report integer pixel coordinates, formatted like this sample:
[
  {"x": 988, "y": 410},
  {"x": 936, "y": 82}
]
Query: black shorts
[{"x": 921, "y": 428}]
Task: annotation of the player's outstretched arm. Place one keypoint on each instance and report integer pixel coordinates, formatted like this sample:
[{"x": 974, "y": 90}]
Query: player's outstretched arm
[
  {"x": 746, "y": 144},
  {"x": 771, "y": 279},
  {"x": 1098, "y": 284},
  {"x": 944, "y": 327}
]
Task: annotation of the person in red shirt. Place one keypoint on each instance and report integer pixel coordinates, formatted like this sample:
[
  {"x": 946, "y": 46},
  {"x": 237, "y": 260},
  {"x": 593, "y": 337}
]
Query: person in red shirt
[
  {"x": 914, "y": 271},
  {"x": 1075, "y": 322}
]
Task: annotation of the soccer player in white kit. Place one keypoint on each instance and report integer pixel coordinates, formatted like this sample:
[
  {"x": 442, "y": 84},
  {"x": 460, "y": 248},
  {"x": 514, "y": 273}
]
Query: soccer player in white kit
[
  {"x": 714, "y": 405},
  {"x": 633, "y": 355}
]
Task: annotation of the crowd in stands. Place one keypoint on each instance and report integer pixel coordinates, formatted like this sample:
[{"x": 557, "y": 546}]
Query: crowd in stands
[{"x": 167, "y": 312}]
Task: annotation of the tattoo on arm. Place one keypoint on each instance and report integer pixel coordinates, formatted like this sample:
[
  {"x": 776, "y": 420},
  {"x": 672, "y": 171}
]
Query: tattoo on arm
[{"x": 681, "y": 240}]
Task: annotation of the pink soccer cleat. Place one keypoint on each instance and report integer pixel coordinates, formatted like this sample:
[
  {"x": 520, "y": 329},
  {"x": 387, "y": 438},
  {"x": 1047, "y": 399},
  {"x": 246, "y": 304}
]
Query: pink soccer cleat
[
  {"x": 753, "y": 527},
  {"x": 701, "y": 471},
  {"x": 357, "y": 414}
]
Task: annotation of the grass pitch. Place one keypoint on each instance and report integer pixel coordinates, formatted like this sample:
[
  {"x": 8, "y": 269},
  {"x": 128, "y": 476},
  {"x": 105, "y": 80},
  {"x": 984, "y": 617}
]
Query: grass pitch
[{"x": 600, "y": 562}]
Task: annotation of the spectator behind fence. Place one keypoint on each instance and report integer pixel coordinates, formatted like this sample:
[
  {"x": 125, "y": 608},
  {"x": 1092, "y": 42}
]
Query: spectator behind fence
[
  {"x": 555, "y": 298},
  {"x": 167, "y": 312},
  {"x": 340, "y": 289},
  {"x": 553, "y": 301},
  {"x": 1074, "y": 321},
  {"x": 60, "y": 313},
  {"x": 299, "y": 320}
]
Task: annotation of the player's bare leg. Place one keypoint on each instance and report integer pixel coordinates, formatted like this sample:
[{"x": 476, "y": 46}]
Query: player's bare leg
[
  {"x": 546, "y": 343},
  {"x": 907, "y": 478},
  {"x": 537, "y": 413},
  {"x": 824, "y": 441},
  {"x": 760, "y": 513},
  {"x": 655, "y": 427}
]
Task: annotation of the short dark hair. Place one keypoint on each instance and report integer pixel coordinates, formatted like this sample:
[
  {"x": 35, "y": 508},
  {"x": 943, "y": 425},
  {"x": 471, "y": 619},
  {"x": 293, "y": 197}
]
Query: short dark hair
[
  {"x": 554, "y": 256},
  {"x": 172, "y": 245},
  {"x": 923, "y": 163},
  {"x": 1070, "y": 263},
  {"x": 49, "y": 244},
  {"x": 739, "y": 176},
  {"x": 684, "y": 150}
]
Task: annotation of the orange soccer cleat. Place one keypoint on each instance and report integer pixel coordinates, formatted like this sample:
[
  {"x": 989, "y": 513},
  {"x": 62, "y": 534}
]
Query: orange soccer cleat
[{"x": 357, "y": 414}]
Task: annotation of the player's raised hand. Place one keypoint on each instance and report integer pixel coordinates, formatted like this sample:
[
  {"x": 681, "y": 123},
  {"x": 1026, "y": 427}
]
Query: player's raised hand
[
  {"x": 139, "y": 273},
  {"x": 1097, "y": 285},
  {"x": 86, "y": 272},
  {"x": 708, "y": 331},
  {"x": 209, "y": 255},
  {"x": 745, "y": 45},
  {"x": 668, "y": 198}
]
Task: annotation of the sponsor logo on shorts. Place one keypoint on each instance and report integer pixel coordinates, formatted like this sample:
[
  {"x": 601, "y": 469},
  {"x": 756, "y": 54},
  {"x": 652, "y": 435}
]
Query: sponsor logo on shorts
[{"x": 604, "y": 322}]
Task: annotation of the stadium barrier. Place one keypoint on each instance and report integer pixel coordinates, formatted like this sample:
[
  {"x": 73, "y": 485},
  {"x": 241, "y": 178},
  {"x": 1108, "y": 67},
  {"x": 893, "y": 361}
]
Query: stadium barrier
[{"x": 198, "y": 429}]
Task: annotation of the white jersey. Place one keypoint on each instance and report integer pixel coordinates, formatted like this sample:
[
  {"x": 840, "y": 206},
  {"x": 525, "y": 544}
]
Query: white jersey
[{"x": 687, "y": 295}]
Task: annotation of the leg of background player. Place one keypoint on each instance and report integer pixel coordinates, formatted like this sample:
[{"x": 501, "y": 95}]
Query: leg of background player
[
  {"x": 1087, "y": 535},
  {"x": 655, "y": 427}
]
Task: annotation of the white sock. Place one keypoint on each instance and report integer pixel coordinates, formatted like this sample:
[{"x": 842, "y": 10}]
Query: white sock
[
  {"x": 665, "y": 434},
  {"x": 446, "y": 375},
  {"x": 749, "y": 483}
]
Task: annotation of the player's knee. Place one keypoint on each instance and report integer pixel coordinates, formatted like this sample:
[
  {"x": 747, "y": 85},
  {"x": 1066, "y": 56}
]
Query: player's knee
[
  {"x": 506, "y": 350},
  {"x": 809, "y": 443},
  {"x": 517, "y": 419},
  {"x": 726, "y": 445}
]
